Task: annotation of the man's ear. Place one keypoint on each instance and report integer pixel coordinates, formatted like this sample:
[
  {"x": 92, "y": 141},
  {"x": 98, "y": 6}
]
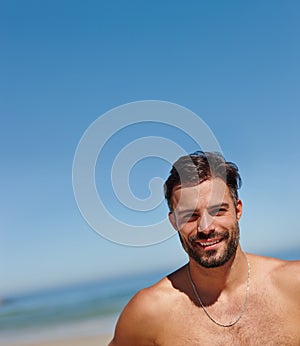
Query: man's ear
[
  {"x": 173, "y": 220},
  {"x": 239, "y": 209}
]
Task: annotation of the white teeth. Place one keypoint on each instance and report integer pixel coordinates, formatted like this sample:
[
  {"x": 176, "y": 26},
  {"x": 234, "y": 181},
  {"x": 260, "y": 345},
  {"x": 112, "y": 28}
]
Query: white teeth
[{"x": 210, "y": 243}]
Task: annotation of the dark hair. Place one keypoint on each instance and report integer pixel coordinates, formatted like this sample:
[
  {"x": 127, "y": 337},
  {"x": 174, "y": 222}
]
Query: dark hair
[{"x": 195, "y": 168}]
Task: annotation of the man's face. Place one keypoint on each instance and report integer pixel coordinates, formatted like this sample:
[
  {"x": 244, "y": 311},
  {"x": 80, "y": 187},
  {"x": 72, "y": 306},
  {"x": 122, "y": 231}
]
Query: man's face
[{"x": 207, "y": 221}]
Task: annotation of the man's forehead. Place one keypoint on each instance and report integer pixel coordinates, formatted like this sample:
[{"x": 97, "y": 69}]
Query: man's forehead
[{"x": 210, "y": 192}]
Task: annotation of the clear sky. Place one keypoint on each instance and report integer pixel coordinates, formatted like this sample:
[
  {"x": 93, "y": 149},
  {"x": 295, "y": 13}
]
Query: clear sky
[{"x": 65, "y": 63}]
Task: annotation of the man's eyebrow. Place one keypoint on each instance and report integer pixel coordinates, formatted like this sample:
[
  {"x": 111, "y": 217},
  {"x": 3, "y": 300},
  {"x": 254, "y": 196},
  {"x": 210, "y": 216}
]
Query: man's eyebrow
[
  {"x": 186, "y": 211},
  {"x": 219, "y": 205},
  {"x": 192, "y": 211}
]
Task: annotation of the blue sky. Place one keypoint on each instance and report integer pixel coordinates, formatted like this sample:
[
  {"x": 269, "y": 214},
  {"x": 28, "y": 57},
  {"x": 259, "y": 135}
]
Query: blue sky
[{"x": 65, "y": 63}]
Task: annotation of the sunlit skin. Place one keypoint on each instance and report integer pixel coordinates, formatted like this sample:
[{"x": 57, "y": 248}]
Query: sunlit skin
[
  {"x": 206, "y": 218},
  {"x": 168, "y": 314}
]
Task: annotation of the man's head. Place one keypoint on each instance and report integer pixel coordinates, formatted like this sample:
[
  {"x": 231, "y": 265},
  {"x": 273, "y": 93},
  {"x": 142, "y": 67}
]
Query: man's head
[
  {"x": 200, "y": 166},
  {"x": 204, "y": 207}
]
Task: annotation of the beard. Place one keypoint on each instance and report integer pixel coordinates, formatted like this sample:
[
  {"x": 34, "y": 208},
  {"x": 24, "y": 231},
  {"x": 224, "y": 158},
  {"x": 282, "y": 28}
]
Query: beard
[{"x": 212, "y": 258}]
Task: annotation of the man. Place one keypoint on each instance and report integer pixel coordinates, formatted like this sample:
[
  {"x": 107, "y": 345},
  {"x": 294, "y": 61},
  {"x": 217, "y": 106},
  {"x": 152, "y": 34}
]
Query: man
[{"x": 222, "y": 296}]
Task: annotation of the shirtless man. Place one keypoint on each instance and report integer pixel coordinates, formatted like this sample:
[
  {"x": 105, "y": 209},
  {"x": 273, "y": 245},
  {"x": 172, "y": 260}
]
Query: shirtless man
[{"x": 223, "y": 296}]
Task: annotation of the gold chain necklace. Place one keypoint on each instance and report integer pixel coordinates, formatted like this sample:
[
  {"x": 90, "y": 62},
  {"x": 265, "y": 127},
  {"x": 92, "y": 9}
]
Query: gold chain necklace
[{"x": 204, "y": 308}]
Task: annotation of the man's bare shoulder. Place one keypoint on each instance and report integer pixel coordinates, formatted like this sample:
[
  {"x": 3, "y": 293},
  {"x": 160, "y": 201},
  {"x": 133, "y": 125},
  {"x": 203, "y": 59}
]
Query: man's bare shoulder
[
  {"x": 143, "y": 316},
  {"x": 153, "y": 298},
  {"x": 287, "y": 275},
  {"x": 162, "y": 292},
  {"x": 283, "y": 274}
]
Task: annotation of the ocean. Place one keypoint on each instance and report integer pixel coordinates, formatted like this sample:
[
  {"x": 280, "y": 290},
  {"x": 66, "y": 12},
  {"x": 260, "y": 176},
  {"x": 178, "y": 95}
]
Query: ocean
[{"x": 76, "y": 310}]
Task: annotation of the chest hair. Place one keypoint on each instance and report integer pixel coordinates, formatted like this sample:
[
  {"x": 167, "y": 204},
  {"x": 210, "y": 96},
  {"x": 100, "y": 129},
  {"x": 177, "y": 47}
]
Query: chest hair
[{"x": 261, "y": 324}]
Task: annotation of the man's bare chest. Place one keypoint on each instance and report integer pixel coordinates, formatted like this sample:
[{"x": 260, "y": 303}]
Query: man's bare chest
[
  {"x": 237, "y": 335},
  {"x": 261, "y": 324}
]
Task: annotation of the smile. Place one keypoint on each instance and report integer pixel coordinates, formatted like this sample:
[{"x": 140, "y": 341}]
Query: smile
[{"x": 209, "y": 243}]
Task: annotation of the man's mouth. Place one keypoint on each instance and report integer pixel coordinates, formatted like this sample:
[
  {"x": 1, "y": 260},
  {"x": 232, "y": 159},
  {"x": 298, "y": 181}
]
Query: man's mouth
[{"x": 209, "y": 244}]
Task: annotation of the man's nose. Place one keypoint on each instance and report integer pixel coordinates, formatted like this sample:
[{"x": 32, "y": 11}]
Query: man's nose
[{"x": 205, "y": 224}]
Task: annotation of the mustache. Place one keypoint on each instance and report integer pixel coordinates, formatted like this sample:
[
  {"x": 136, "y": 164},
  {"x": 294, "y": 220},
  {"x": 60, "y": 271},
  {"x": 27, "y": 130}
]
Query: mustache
[{"x": 205, "y": 236}]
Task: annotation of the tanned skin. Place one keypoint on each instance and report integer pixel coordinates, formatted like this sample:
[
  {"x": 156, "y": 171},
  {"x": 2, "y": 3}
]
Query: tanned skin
[{"x": 169, "y": 314}]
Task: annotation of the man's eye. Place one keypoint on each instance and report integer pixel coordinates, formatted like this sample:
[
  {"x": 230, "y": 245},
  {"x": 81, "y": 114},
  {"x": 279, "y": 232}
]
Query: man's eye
[
  {"x": 218, "y": 211},
  {"x": 190, "y": 218}
]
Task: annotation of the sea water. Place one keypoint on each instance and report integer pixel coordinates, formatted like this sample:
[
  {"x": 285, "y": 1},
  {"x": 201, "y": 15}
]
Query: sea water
[{"x": 78, "y": 310}]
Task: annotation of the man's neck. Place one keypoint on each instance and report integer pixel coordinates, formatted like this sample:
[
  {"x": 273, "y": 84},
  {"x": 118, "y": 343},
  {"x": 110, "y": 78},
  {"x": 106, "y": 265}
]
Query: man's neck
[{"x": 212, "y": 282}]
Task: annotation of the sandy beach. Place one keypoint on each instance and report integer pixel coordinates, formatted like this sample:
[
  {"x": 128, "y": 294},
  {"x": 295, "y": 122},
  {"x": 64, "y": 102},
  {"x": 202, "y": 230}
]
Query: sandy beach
[
  {"x": 81, "y": 341},
  {"x": 85, "y": 333},
  {"x": 95, "y": 340}
]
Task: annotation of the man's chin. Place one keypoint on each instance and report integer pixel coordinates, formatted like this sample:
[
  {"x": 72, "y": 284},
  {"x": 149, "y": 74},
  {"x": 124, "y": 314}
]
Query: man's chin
[{"x": 211, "y": 259}]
